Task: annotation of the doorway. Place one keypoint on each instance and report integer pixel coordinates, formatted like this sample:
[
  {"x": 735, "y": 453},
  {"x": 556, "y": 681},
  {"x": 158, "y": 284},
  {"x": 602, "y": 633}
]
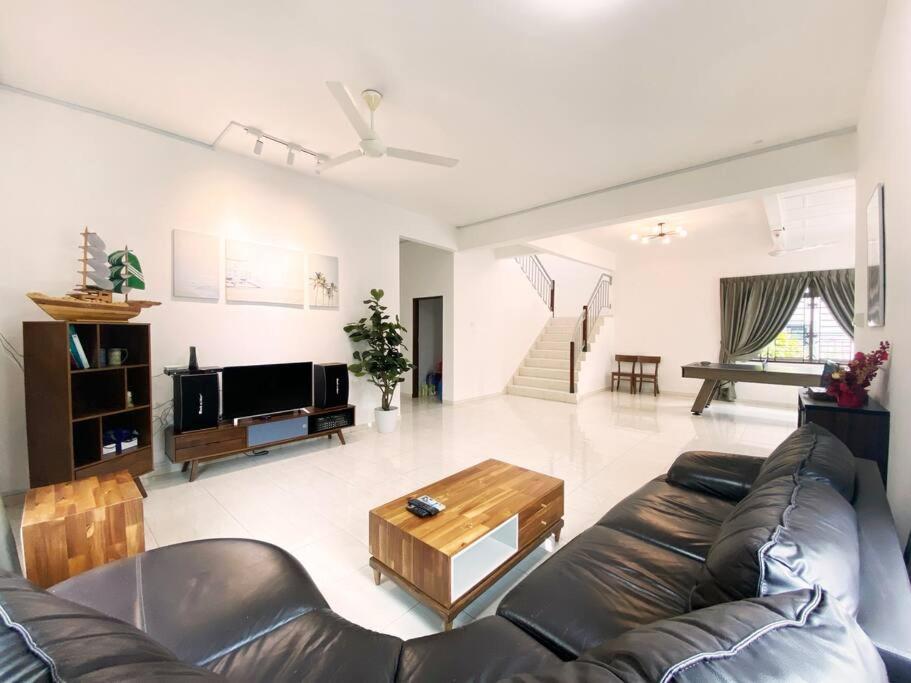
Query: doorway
[{"x": 427, "y": 347}]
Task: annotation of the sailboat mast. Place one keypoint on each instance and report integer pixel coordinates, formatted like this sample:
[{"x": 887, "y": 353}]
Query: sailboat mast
[{"x": 85, "y": 256}]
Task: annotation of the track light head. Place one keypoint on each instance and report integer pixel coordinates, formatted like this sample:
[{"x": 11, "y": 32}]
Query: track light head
[
  {"x": 290, "y": 160},
  {"x": 258, "y": 134}
]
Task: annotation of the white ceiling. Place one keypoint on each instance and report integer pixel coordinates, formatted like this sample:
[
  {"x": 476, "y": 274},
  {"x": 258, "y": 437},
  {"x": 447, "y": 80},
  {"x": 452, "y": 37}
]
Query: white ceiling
[
  {"x": 747, "y": 216},
  {"x": 541, "y": 99},
  {"x": 815, "y": 216}
]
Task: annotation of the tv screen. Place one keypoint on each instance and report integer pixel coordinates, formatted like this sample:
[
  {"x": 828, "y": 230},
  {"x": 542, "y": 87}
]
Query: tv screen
[{"x": 248, "y": 390}]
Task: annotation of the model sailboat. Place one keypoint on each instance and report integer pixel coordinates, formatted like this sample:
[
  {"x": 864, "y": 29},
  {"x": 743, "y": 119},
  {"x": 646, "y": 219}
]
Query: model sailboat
[{"x": 102, "y": 276}]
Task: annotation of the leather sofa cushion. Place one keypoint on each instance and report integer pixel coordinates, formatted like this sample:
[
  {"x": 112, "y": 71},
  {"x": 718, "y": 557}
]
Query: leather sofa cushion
[
  {"x": 799, "y": 636},
  {"x": 484, "y": 650},
  {"x": 673, "y": 517},
  {"x": 602, "y": 583},
  {"x": 43, "y": 637},
  {"x": 313, "y": 647},
  {"x": 200, "y": 598},
  {"x": 724, "y": 475},
  {"x": 784, "y": 536},
  {"x": 812, "y": 452}
]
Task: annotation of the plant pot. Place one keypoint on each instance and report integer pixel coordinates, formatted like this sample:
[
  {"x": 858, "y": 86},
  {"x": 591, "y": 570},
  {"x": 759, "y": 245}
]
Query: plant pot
[{"x": 386, "y": 420}]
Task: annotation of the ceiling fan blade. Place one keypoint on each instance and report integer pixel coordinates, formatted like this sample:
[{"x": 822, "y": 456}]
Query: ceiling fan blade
[
  {"x": 337, "y": 161},
  {"x": 346, "y": 102},
  {"x": 411, "y": 155}
]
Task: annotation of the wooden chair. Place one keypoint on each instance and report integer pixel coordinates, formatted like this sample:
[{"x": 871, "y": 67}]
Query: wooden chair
[
  {"x": 620, "y": 374},
  {"x": 649, "y": 377}
]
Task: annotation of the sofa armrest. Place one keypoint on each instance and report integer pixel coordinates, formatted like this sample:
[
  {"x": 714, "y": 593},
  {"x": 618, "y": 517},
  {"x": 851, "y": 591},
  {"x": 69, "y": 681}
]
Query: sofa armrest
[
  {"x": 725, "y": 475},
  {"x": 200, "y": 598}
]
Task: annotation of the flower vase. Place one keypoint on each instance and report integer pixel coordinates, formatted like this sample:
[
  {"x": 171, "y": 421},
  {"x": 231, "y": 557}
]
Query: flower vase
[{"x": 851, "y": 399}]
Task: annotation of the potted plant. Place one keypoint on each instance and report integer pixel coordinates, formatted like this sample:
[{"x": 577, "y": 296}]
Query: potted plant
[
  {"x": 849, "y": 385},
  {"x": 382, "y": 362}
]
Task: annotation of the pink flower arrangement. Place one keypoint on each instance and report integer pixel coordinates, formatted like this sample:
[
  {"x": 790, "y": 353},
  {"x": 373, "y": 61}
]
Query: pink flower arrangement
[{"x": 849, "y": 385}]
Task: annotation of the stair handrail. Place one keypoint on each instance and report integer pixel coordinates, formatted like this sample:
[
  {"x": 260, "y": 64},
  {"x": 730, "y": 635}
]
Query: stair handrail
[
  {"x": 597, "y": 302},
  {"x": 539, "y": 278}
]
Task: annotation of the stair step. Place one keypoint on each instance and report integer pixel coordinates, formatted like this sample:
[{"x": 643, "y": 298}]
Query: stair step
[
  {"x": 558, "y": 363},
  {"x": 546, "y": 394},
  {"x": 545, "y": 373},
  {"x": 562, "y": 346},
  {"x": 550, "y": 354},
  {"x": 556, "y": 337},
  {"x": 542, "y": 383}
]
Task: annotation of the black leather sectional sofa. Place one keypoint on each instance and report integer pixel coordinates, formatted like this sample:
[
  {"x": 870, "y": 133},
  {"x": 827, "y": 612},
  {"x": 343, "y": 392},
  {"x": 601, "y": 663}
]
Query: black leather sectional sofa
[{"x": 728, "y": 568}]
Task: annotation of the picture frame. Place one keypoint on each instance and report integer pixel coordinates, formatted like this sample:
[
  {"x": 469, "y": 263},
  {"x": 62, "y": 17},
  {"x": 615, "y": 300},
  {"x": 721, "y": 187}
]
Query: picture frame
[
  {"x": 264, "y": 274},
  {"x": 195, "y": 263},
  {"x": 876, "y": 258}
]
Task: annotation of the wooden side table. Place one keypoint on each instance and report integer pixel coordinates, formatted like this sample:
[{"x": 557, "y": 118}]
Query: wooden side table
[{"x": 71, "y": 527}]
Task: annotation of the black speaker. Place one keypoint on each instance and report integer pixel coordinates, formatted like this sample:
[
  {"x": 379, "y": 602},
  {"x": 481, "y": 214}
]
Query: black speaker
[
  {"x": 330, "y": 385},
  {"x": 195, "y": 401}
]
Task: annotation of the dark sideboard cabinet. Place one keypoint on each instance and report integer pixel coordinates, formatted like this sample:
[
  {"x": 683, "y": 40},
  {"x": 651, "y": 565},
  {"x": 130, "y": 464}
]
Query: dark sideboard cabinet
[{"x": 864, "y": 430}]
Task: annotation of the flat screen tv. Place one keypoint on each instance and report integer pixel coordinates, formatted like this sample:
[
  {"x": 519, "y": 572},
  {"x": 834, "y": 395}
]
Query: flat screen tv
[{"x": 251, "y": 390}]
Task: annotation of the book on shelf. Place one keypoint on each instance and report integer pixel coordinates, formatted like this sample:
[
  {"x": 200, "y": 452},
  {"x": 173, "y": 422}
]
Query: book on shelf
[{"x": 77, "y": 351}]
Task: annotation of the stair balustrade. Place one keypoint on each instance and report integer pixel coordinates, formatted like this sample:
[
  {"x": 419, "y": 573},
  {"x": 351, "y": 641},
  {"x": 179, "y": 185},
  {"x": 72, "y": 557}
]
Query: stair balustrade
[{"x": 538, "y": 277}]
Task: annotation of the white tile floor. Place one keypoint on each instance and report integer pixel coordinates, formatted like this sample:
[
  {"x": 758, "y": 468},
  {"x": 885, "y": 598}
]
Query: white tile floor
[{"x": 313, "y": 498}]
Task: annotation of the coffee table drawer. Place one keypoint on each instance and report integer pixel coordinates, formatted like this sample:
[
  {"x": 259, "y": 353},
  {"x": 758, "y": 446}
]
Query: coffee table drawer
[{"x": 535, "y": 520}]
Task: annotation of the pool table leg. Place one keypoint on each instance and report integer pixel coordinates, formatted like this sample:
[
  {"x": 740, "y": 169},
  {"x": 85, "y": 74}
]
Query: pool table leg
[{"x": 705, "y": 396}]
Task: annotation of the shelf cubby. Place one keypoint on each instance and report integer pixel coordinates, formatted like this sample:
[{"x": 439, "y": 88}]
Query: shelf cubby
[
  {"x": 96, "y": 393},
  {"x": 86, "y": 442},
  {"x": 138, "y": 385},
  {"x": 133, "y": 338},
  {"x": 88, "y": 338}
]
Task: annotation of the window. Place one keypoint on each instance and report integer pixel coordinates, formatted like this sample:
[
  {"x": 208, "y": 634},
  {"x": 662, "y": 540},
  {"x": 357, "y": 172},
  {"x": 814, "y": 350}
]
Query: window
[{"x": 812, "y": 335}]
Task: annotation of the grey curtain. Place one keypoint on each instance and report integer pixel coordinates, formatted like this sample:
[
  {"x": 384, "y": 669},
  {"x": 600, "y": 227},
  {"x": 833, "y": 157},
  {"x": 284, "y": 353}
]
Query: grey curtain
[
  {"x": 753, "y": 311},
  {"x": 836, "y": 287}
]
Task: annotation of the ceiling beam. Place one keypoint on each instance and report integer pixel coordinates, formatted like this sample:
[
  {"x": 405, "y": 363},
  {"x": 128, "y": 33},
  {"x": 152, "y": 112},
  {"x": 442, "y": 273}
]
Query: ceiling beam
[{"x": 830, "y": 155}]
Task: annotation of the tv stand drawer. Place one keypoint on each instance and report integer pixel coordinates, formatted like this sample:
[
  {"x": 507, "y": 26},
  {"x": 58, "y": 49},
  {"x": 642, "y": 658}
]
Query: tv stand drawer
[{"x": 281, "y": 430}]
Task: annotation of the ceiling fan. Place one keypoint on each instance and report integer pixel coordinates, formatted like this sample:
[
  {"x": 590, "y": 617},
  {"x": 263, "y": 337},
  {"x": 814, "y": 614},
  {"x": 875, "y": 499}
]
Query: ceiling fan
[{"x": 371, "y": 145}]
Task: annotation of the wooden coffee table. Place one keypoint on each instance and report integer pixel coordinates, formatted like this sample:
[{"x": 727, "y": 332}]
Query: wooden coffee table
[{"x": 495, "y": 515}]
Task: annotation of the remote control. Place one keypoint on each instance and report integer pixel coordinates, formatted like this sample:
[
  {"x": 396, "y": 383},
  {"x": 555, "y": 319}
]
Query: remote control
[{"x": 420, "y": 508}]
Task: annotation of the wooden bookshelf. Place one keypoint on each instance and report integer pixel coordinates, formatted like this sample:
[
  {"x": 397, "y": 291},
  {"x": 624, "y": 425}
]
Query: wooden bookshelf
[{"x": 68, "y": 408}]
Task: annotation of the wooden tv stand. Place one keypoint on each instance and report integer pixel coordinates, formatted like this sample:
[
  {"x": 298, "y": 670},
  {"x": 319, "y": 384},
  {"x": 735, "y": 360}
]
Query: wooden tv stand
[{"x": 189, "y": 448}]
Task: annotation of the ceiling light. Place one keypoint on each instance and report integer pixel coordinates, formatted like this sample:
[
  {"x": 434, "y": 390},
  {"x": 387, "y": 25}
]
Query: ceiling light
[
  {"x": 290, "y": 160},
  {"x": 258, "y": 146},
  {"x": 659, "y": 232}
]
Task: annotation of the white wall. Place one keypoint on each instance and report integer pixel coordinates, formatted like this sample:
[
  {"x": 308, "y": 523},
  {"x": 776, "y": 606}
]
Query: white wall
[
  {"x": 884, "y": 146},
  {"x": 573, "y": 284},
  {"x": 667, "y": 297},
  {"x": 427, "y": 271},
  {"x": 63, "y": 169},
  {"x": 594, "y": 375},
  {"x": 498, "y": 315}
]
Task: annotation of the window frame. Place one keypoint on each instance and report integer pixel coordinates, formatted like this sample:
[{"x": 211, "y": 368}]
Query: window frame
[{"x": 815, "y": 298}]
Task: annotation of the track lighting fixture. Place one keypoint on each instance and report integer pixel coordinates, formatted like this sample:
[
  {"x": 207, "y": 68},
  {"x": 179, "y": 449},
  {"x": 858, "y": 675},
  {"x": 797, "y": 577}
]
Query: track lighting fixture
[{"x": 260, "y": 135}]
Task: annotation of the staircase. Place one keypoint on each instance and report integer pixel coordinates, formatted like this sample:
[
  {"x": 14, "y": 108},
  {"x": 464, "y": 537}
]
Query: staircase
[{"x": 545, "y": 371}]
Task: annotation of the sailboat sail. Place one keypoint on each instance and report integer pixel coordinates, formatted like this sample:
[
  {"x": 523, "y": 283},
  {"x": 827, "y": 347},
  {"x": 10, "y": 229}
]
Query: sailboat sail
[
  {"x": 95, "y": 262},
  {"x": 125, "y": 271}
]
